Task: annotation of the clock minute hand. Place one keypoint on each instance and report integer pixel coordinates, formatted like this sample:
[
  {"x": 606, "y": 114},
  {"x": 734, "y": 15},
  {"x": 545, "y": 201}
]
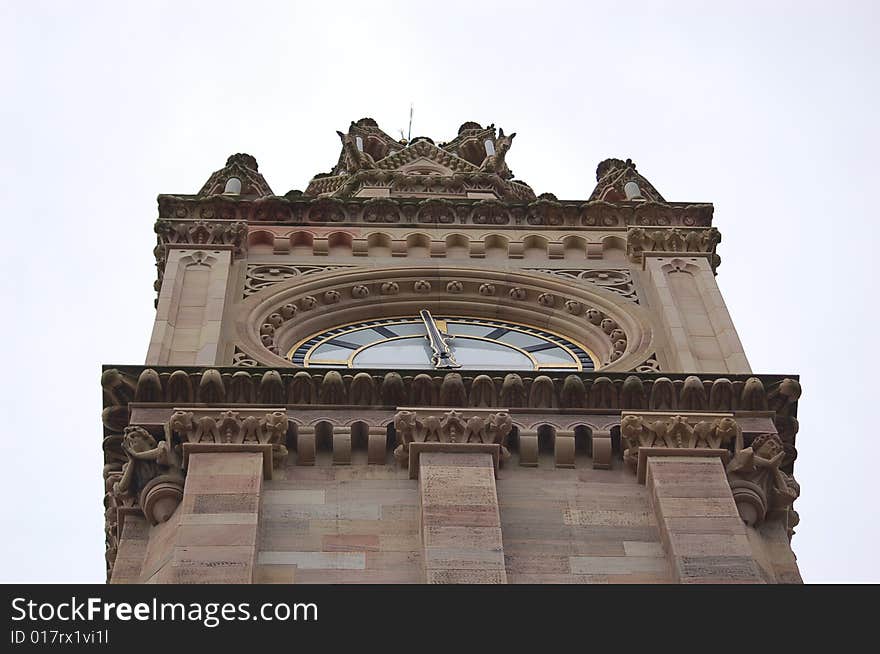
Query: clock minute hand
[{"x": 442, "y": 356}]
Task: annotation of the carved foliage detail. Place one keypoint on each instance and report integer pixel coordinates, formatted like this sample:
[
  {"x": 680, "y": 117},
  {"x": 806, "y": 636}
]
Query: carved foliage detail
[
  {"x": 450, "y": 427},
  {"x": 232, "y": 426},
  {"x": 676, "y": 431}
]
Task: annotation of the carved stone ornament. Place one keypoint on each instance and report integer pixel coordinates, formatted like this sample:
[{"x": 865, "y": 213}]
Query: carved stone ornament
[
  {"x": 474, "y": 426},
  {"x": 151, "y": 473},
  {"x": 641, "y": 241},
  {"x": 237, "y": 426},
  {"x": 690, "y": 431},
  {"x": 760, "y": 488},
  {"x": 308, "y": 210}
]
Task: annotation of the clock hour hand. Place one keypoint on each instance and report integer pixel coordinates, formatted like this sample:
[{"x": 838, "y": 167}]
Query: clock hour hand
[{"x": 442, "y": 356}]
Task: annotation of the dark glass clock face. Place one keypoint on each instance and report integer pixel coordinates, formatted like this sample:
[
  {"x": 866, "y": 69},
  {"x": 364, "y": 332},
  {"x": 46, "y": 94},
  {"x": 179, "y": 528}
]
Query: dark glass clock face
[{"x": 441, "y": 342}]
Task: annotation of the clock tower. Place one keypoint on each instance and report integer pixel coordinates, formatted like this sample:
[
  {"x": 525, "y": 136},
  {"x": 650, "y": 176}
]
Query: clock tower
[{"x": 418, "y": 370}]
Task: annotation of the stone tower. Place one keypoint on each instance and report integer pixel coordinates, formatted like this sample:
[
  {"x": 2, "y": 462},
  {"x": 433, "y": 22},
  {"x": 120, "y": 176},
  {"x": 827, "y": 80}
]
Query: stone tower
[{"x": 417, "y": 370}]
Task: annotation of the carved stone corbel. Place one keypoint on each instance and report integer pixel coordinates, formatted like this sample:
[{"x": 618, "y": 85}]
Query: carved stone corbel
[
  {"x": 231, "y": 427},
  {"x": 528, "y": 448},
  {"x": 377, "y": 437},
  {"x": 563, "y": 449},
  {"x": 760, "y": 489},
  {"x": 711, "y": 431},
  {"x": 601, "y": 444},
  {"x": 151, "y": 476},
  {"x": 305, "y": 446},
  {"x": 479, "y": 429}
]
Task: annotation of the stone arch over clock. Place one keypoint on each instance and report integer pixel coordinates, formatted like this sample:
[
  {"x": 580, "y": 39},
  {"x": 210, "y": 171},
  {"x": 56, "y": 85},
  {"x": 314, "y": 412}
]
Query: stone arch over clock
[{"x": 331, "y": 319}]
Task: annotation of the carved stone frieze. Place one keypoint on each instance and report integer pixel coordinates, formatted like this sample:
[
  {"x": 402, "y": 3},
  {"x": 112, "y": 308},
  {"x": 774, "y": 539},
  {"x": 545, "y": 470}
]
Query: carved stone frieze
[
  {"x": 475, "y": 426},
  {"x": 658, "y": 240},
  {"x": 510, "y": 213},
  {"x": 615, "y": 392},
  {"x": 237, "y": 426},
  {"x": 679, "y": 431}
]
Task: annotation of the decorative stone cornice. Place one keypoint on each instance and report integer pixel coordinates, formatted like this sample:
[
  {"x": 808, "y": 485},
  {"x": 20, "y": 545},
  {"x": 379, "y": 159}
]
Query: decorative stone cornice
[
  {"x": 593, "y": 390},
  {"x": 543, "y": 212},
  {"x": 769, "y": 395}
]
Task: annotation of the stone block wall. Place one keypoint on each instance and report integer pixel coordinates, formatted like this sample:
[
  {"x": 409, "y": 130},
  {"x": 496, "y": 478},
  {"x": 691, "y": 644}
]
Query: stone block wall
[{"x": 340, "y": 524}]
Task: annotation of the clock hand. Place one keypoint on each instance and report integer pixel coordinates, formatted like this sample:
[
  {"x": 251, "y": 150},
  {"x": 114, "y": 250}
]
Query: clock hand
[{"x": 442, "y": 356}]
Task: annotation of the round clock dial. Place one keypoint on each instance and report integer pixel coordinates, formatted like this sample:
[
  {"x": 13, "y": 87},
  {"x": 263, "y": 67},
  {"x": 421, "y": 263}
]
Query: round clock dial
[{"x": 441, "y": 342}]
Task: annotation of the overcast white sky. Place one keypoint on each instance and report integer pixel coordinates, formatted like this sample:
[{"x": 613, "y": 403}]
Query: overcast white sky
[{"x": 766, "y": 109}]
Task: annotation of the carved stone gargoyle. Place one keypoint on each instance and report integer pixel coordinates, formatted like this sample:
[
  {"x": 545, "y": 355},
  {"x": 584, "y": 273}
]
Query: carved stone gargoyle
[
  {"x": 495, "y": 163},
  {"x": 357, "y": 159},
  {"x": 152, "y": 473},
  {"x": 759, "y": 487}
]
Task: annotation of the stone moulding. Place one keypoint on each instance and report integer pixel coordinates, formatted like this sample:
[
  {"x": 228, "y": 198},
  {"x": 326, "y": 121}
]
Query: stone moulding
[
  {"x": 303, "y": 210},
  {"x": 771, "y": 399}
]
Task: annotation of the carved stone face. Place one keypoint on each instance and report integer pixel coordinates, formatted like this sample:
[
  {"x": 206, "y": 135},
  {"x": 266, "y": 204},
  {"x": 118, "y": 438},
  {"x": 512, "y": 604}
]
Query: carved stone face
[
  {"x": 767, "y": 447},
  {"x": 137, "y": 439}
]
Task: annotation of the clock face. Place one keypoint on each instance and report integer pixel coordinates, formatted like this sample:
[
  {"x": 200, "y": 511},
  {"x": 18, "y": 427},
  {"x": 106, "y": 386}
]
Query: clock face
[{"x": 425, "y": 342}]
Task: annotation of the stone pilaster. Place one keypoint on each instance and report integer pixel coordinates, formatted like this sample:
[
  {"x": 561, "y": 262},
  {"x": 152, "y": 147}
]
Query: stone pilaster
[
  {"x": 700, "y": 333},
  {"x": 190, "y": 308},
  {"x": 216, "y": 538},
  {"x": 461, "y": 523},
  {"x": 704, "y": 537}
]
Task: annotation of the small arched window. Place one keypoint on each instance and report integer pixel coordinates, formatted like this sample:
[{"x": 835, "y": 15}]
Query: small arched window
[{"x": 233, "y": 186}]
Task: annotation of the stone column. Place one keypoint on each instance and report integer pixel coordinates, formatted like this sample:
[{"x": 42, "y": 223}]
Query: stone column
[
  {"x": 461, "y": 523},
  {"x": 704, "y": 537}
]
